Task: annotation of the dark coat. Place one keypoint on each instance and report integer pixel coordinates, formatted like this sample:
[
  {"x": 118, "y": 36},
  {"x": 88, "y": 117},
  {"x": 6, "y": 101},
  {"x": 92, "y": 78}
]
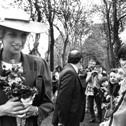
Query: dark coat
[
  {"x": 36, "y": 73},
  {"x": 114, "y": 89},
  {"x": 69, "y": 108},
  {"x": 83, "y": 76}
]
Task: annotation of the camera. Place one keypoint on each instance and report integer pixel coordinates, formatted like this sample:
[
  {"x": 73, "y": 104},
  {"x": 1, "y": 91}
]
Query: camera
[
  {"x": 89, "y": 69},
  {"x": 94, "y": 73}
]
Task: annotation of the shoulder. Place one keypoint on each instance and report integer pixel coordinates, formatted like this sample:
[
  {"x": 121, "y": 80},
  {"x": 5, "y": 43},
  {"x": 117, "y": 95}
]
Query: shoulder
[
  {"x": 68, "y": 70},
  {"x": 33, "y": 58},
  {"x": 36, "y": 62}
]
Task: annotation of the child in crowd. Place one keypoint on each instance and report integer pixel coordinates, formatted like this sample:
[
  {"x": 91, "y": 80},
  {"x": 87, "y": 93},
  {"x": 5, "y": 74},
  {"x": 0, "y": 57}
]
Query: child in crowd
[{"x": 104, "y": 90}]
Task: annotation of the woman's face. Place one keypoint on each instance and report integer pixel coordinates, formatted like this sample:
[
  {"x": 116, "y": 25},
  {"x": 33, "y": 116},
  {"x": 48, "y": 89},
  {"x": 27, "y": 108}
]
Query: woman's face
[
  {"x": 120, "y": 74},
  {"x": 13, "y": 41}
]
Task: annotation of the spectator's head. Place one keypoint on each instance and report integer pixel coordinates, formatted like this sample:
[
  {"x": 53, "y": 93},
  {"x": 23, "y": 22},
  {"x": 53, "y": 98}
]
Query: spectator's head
[
  {"x": 122, "y": 52},
  {"x": 58, "y": 68},
  {"x": 92, "y": 63},
  {"x": 120, "y": 74},
  {"x": 103, "y": 81},
  {"x": 113, "y": 76},
  {"x": 74, "y": 57},
  {"x": 122, "y": 57}
]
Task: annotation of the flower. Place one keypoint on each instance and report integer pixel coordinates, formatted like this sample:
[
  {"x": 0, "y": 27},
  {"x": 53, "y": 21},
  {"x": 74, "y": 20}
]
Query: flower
[{"x": 13, "y": 83}]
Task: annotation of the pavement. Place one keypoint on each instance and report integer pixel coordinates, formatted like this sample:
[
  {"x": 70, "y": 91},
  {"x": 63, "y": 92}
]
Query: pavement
[{"x": 47, "y": 121}]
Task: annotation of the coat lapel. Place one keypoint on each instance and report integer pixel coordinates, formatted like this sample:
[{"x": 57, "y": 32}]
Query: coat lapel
[
  {"x": 0, "y": 62},
  {"x": 0, "y": 68},
  {"x": 80, "y": 81},
  {"x": 28, "y": 68},
  {"x": 76, "y": 74}
]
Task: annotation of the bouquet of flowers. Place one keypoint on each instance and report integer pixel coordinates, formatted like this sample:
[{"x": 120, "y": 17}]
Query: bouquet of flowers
[{"x": 13, "y": 86}]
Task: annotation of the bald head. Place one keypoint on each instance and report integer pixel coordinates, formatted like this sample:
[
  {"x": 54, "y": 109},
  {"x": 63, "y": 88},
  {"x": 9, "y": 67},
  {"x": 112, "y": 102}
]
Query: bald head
[{"x": 74, "y": 57}]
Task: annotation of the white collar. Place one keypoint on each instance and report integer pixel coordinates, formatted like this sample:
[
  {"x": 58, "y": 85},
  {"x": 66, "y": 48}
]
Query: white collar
[
  {"x": 9, "y": 65},
  {"x": 75, "y": 67}
]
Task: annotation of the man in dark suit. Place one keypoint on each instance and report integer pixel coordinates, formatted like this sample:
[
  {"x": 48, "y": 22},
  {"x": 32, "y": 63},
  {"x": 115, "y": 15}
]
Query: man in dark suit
[{"x": 69, "y": 108}]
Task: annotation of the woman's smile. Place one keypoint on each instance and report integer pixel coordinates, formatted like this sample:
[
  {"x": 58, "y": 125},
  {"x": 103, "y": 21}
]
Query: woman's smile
[
  {"x": 17, "y": 47},
  {"x": 14, "y": 41}
]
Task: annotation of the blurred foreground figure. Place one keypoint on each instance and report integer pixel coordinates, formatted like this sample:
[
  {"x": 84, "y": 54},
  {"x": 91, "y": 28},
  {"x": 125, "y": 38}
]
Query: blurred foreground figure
[
  {"x": 118, "y": 114},
  {"x": 118, "y": 117}
]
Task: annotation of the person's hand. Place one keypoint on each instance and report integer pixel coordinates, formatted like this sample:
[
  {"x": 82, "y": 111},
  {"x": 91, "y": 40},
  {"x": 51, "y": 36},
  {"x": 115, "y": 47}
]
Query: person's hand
[
  {"x": 89, "y": 74},
  {"x": 31, "y": 111},
  {"x": 108, "y": 97},
  {"x": 105, "y": 94},
  {"x": 104, "y": 88},
  {"x": 60, "y": 124},
  {"x": 14, "y": 108}
]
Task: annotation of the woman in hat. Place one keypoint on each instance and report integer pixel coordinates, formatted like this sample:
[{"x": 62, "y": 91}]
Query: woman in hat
[{"x": 15, "y": 25}]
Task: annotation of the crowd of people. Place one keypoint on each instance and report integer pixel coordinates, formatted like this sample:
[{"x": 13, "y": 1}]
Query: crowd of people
[{"x": 103, "y": 92}]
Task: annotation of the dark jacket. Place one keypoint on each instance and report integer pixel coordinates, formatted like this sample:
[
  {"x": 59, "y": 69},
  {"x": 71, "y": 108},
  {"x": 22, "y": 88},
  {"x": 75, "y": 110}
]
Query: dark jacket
[
  {"x": 114, "y": 89},
  {"x": 36, "y": 73},
  {"x": 83, "y": 76},
  {"x": 69, "y": 108}
]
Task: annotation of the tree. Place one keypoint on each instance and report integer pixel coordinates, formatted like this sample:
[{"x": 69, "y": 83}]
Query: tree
[
  {"x": 94, "y": 46},
  {"x": 49, "y": 11},
  {"x": 114, "y": 14},
  {"x": 72, "y": 15}
]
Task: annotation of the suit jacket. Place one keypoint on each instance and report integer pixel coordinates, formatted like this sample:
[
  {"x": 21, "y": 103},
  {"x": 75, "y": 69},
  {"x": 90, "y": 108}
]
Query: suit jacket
[
  {"x": 36, "y": 73},
  {"x": 69, "y": 108}
]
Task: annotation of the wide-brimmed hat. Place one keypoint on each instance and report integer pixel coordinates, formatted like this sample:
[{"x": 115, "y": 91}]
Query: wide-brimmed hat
[{"x": 18, "y": 19}]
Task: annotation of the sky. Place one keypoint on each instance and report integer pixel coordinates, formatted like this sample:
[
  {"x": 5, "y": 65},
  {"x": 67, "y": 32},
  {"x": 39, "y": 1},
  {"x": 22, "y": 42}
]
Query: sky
[{"x": 88, "y": 4}]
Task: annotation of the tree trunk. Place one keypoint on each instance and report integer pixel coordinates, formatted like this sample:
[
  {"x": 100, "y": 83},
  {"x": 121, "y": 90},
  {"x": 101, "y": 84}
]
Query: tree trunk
[
  {"x": 110, "y": 46},
  {"x": 35, "y": 51},
  {"x": 51, "y": 33},
  {"x": 115, "y": 33},
  {"x": 112, "y": 56},
  {"x": 64, "y": 50},
  {"x": 108, "y": 55}
]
